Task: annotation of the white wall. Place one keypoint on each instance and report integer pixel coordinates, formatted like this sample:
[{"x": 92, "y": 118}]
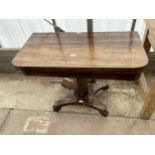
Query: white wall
[{"x": 15, "y": 32}]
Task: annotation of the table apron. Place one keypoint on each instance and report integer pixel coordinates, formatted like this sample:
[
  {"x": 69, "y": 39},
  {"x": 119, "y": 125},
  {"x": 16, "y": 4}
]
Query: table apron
[{"x": 120, "y": 74}]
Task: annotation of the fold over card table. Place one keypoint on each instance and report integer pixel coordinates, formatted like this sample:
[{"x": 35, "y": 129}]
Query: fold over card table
[{"x": 100, "y": 55}]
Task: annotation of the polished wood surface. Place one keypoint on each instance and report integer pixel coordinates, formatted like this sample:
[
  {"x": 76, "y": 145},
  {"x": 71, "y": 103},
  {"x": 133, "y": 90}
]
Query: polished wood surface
[
  {"x": 92, "y": 50},
  {"x": 84, "y": 53}
]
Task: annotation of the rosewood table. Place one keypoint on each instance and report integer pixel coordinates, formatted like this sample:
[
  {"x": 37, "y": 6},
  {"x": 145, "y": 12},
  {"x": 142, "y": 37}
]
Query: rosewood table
[{"x": 84, "y": 56}]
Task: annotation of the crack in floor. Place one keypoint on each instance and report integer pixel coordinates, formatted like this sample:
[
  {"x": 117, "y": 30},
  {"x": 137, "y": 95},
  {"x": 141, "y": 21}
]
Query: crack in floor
[
  {"x": 69, "y": 112},
  {"x": 5, "y": 119}
]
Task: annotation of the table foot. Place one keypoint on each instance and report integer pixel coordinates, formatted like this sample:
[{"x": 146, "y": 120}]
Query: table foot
[
  {"x": 68, "y": 100},
  {"x": 99, "y": 89},
  {"x": 100, "y": 108}
]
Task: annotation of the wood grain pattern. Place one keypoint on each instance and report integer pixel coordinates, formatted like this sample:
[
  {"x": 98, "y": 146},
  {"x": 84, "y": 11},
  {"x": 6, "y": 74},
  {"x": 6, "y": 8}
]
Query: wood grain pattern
[
  {"x": 83, "y": 53},
  {"x": 149, "y": 104},
  {"x": 107, "y": 50},
  {"x": 143, "y": 84},
  {"x": 149, "y": 99}
]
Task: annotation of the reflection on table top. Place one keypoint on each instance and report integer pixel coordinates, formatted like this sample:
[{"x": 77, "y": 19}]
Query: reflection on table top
[{"x": 83, "y": 50}]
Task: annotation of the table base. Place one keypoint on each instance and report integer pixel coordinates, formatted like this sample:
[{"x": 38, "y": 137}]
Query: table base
[{"x": 84, "y": 95}]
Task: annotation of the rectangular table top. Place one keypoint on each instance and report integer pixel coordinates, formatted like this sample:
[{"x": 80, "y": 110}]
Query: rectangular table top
[{"x": 84, "y": 50}]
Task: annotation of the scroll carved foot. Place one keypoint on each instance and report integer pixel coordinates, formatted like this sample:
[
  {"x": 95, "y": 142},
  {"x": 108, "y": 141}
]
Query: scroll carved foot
[{"x": 68, "y": 100}]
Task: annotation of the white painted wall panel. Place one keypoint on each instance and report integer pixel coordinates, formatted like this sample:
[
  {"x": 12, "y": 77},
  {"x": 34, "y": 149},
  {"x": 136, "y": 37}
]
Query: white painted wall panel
[
  {"x": 106, "y": 25},
  {"x": 15, "y": 32},
  {"x": 72, "y": 25},
  {"x": 140, "y": 27},
  {"x": 102, "y": 25}
]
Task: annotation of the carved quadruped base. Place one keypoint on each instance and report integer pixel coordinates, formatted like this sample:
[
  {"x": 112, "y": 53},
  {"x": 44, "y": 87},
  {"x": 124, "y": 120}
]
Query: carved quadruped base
[{"x": 84, "y": 95}]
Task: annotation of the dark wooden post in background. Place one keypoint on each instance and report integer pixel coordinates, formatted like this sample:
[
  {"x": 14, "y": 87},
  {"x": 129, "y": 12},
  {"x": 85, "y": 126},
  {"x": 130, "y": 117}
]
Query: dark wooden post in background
[
  {"x": 133, "y": 24},
  {"x": 56, "y": 28},
  {"x": 90, "y": 25}
]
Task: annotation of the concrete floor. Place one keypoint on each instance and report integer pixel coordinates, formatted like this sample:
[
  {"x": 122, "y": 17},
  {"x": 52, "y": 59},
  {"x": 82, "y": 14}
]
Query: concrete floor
[{"x": 26, "y": 108}]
